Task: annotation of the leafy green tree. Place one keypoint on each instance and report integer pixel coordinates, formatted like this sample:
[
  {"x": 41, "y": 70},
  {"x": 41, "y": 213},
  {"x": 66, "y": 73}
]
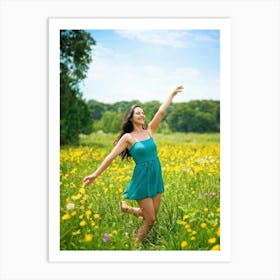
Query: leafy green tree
[
  {"x": 123, "y": 106},
  {"x": 204, "y": 122},
  {"x": 195, "y": 116},
  {"x": 108, "y": 117},
  {"x": 150, "y": 108},
  {"x": 97, "y": 109},
  {"x": 111, "y": 122},
  {"x": 75, "y": 57}
]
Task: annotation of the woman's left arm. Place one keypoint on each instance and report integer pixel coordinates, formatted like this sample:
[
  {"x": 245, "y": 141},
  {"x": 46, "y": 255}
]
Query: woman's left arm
[{"x": 153, "y": 125}]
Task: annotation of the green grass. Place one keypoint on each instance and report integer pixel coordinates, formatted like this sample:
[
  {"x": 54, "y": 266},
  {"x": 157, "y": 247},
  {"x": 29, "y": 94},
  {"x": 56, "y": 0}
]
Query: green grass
[
  {"x": 191, "y": 173},
  {"x": 103, "y": 140}
]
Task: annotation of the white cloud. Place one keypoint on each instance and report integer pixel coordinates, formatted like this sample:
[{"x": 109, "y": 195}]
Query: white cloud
[
  {"x": 171, "y": 38},
  {"x": 175, "y": 39},
  {"x": 110, "y": 80}
]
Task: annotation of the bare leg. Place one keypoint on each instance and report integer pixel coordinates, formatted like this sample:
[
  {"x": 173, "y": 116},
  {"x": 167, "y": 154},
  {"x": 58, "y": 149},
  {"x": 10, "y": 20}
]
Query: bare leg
[
  {"x": 156, "y": 202},
  {"x": 149, "y": 213},
  {"x": 137, "y": 212}
]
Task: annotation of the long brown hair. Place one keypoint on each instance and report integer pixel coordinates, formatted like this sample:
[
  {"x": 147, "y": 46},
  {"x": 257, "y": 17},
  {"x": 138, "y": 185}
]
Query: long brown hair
[{"x": 126, "y": 127}]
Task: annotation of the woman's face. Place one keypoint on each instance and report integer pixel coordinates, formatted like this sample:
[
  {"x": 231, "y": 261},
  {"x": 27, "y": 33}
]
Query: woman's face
[{"x": 138, "y": 116}]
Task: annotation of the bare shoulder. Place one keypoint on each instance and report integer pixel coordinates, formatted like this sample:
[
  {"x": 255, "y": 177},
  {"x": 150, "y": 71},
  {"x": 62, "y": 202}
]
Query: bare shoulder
[
  {"x": 127, "y": 138},
  {"x": 149, "y": 129}
]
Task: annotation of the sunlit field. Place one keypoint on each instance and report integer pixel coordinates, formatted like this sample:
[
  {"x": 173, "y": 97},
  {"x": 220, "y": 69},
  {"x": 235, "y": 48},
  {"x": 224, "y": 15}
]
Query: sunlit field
[{"x": 189, "y": 215}]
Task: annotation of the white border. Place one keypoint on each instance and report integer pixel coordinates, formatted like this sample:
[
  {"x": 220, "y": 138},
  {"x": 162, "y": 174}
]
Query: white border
[
  {"x": 222, "y": 24},
  {"x": 24, "y": 156}
]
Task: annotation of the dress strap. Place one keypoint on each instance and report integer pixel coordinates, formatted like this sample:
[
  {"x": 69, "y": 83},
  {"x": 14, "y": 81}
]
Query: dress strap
[
  {"x": 149, "y": 133},
  {"x": 133, "y": 137}
]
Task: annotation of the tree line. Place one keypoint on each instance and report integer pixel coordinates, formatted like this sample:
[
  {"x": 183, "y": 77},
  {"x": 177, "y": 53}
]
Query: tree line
[{"x": 193, "y": 116}]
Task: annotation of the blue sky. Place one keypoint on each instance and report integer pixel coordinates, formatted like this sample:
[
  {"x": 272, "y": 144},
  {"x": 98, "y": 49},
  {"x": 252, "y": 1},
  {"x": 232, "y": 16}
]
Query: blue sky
[{"x": 148, "y": 64}]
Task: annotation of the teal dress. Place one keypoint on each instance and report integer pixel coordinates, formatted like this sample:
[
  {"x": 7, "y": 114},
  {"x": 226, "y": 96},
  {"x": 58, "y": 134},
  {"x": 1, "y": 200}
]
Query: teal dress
[{"x": 147, "y": 179}]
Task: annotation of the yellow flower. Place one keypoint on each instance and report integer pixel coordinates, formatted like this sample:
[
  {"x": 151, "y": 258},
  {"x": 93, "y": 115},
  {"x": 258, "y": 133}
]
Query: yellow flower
[
  {"x": 83, "y": 223},
  {"x": 216, "y": 248},
  {"x": 66, "y": 217},
  {"x": 82, "y": 190},
  {"x": 114, "y": 232},
  {"x": 194, "y": 232},
  {"x": 73, "y": 213},
  {"x": 185, "y": 217},
  {"x": 218, "y": 210},
  {"x": 214, "y": 224},
  {"x": 88, "y": 213},
  {"x": 205, "y": 209},
  {"x": 192, "y": 238},
  {"x": 96, "y": 216},
  {"x": 68, "y": 200},
  {"x": 184, "y": 244},
  {"x": 74, "y": 233},
  {"x": 93, "y": 223},
  {"x": 76, "y": 197},
  {"x": 212, "y": 240},
  {"x": 218, "y": 231},
  {"x": 187, "y": 226},
  {"x": 203, "y": 225},
  {"x": 73, "y": 171},
  {"x": 88, "y": 237}
]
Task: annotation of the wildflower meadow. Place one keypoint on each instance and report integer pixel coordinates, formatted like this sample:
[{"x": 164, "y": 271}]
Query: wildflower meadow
[{"x": 189, "y": 214}]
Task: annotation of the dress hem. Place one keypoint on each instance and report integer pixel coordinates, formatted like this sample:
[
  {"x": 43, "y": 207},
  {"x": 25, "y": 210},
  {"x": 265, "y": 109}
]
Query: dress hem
[{"x": 149, "y": 196}]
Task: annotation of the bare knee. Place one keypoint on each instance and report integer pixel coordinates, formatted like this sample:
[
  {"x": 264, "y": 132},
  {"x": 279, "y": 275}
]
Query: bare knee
[
  {"x": 149, "y": 213},
  {"x": 150, "y": 220}
]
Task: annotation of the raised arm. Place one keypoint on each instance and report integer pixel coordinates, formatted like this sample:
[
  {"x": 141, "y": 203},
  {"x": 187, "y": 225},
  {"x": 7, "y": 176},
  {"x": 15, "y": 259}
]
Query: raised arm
[
  {"x": 153, "y": 125},
  {"x": 120, "y": 147}
]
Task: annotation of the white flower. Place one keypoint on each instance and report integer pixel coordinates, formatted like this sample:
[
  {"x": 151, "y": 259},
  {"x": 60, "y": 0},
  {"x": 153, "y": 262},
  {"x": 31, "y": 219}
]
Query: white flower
[{"x": 70, "y": 206}]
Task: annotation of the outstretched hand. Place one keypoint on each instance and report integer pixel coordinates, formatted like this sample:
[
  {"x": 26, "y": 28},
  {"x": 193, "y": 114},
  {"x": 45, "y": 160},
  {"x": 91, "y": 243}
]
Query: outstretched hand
[
  {"x": 177, "y": 89},
  {"x": 89, "y": 179}
]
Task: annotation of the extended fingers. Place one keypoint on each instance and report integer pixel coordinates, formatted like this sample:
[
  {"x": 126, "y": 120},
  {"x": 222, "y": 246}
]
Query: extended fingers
[
  {"x": 180, "y": 88},
  {"x": 87, "y": 180}
]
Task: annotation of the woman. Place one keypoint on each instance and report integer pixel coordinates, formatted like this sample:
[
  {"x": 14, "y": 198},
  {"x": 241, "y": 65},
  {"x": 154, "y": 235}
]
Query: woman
[{"x": 146, "y": 185}]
